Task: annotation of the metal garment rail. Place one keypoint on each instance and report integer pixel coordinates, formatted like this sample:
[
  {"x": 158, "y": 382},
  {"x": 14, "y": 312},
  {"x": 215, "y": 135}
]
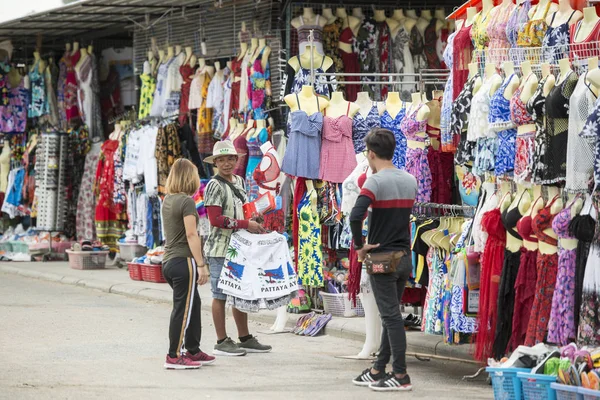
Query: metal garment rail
[{"x": 425, "y": 77}]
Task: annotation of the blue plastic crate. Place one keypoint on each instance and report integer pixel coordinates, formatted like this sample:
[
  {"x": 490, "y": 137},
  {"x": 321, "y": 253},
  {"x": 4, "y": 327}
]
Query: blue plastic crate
[
  {"x": 505, "y": 383},
  {"x": 565, "y": 392},
  {"x": 589, "y": 394},
  {"x": 537, "y": 386}
]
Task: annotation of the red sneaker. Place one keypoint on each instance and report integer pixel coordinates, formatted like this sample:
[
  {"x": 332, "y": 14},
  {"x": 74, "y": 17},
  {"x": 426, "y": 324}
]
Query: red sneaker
[
  {"x": 181, "y": 362},
  {"x": 201, "y": 357}
]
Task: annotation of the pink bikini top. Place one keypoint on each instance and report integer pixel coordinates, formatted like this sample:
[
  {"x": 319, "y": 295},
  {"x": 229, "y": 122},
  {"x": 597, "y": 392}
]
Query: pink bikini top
[{"x": 410, "y": 126}]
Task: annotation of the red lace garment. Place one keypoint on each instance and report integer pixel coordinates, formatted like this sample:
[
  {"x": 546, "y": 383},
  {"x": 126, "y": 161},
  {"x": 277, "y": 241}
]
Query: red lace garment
[
  {"x": 71, "y": 87},
  {"x": 187, "y": 73},
  {"x": 463, "y": 48},
  {"x": 491, "y": 269}
]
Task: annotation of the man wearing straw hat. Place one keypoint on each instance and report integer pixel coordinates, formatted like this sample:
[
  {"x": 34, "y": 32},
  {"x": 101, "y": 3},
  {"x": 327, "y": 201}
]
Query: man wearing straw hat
[{"x": 224, "y": 197}]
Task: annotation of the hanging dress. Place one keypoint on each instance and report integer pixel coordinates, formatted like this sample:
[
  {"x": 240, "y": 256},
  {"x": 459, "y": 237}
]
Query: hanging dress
[
  {"x": 525, "y": 141},
  {"x": 362, "y": 125},
  {"x": 71, "y": 87},
  {"x": 310, "y": 258},
  {"x": 417, "y": 163},
  {"x": 303, "y": 152},
  {"x": 479, "y": 130},
  {"x": 462, "y": 49},
  {"x": 331, "y": 39},
  {"x": 401, "y": 62},
  {"x": 524, "y": 284},
  {"x": 506, "y": 289},
  {"x": 254, "y": 157},
  {"x": 499, "y": 43},
  {"x": 547, "y": 265},
  {"x": 536, "y": 107},
  {"x": 555, "y": 45},
  {"x": 492, "y": 259},
  {"x": 557, "y": 126},
  {"x": 338, "y": 159},
  {"x": 349, "y": 62},
  {"x": 393, "y": 124},
  {"x": 589, "y": 322},
  {"x": 461, "y": 112},
  {"x": 429, "y": 41},
  {"x": 500, "y": 122},
  {"x": 187, "y": 75},
  {"x": 38, "y": 106},
  {"x": 532, "y": 32},
  {"x": 580, "y": 150},
  {"x": 561, "y": 327},
  {"x": 446, "y": 112},
  {"x": 518, "y": 18},
  {"x": 259, "y": 87},
  {"x": 417, "y": 49}
]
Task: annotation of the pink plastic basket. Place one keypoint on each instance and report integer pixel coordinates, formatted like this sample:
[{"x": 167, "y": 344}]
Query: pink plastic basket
[{"x": 87, "y": 259}]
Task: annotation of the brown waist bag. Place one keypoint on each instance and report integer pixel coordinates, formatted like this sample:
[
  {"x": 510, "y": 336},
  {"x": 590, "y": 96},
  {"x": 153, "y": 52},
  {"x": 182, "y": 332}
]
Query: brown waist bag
[{"x": 383, "y": 263}]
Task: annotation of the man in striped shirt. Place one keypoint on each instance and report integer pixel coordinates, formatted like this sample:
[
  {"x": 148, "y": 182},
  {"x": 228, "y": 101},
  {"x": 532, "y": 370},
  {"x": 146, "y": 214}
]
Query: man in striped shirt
[{"x": 389, "y": 194}]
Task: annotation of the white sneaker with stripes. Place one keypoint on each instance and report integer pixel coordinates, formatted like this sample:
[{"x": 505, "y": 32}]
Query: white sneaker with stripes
[
  {"x": 366, "y": 378},
  {"x": 392, "y": 384}
]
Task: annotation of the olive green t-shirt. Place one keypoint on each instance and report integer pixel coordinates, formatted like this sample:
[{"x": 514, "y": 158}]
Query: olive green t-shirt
[{"x": 174, "y": 209}]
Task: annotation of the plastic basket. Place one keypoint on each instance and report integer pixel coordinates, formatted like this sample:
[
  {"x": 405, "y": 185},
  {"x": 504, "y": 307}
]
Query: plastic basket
[
  {"x": 339, "y": 305},
  {"x": 135, "y": 271},
  {"x": 505, "y": 383},
  {"x": 19, "y": 247},
  {"x": 566, "y": 392},
  {"x": 129, "y": 251},
  {"x": 87, "y": 259},
  {"x": 589, "y": 394},
  {"x": 57, "y": 247},
  {"x": 537, "y": 386},
  {"x": 6, "y": 246},
  {"x": 152, "y": 273}
]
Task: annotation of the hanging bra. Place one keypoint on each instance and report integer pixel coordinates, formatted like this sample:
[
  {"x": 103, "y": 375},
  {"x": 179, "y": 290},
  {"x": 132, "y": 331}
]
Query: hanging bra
[
  {"x": 542, "y": 221},
  {"x": 510, "y": 219},
  {"x": 583, "y": 226},
  {"x": 410, "y": 126},
  {"x": 560, "y": 223},
  {"x": 518, "y": 110}
]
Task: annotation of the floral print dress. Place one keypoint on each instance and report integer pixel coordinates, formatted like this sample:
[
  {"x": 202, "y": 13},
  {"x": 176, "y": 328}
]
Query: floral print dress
[
  {"x": 589, "y": 320},
  {"x": 446, "y": 111},
  {"x": 555, "y": 45},
  {"x": 38, "y": 105},
  {"x": 146, "y": 95},
  {"x": 259, "y": 87},
  {"x": 331, "y": 39},
  {"x": 393, "y": 124},
  {"x": 401, "y": 61},
  {"x": 310, "y": 258}
]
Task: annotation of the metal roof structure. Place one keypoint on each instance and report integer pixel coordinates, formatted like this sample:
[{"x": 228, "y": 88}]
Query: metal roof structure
[{"x": 89, "y": 19}]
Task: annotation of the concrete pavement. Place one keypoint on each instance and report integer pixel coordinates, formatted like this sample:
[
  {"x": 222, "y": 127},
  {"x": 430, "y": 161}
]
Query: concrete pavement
[
  {"x": 115, "y": 280},
  {"x": 66, "y": 342}
]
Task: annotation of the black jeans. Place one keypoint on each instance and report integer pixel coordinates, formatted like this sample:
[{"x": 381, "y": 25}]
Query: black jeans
[
  {"x": 185, "y": 328},
  {"x": 388, "y": 289}
]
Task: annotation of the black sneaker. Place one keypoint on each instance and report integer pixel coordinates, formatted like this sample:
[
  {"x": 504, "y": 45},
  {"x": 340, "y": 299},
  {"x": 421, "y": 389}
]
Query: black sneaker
[
  {"x": 392, "y": 384},
  {"x": 367, "y": 378}
]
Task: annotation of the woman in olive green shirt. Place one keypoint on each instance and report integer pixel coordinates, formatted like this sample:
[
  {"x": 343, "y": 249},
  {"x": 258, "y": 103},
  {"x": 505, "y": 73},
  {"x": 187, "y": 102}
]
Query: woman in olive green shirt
[{"x": 184, "y": 267}]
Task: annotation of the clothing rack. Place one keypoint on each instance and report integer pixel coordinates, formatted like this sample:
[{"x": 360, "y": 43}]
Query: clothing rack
[{"x": 443, "y": 210}]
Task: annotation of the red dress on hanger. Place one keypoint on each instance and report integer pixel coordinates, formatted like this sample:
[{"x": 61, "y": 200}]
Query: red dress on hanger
[
  {"x": 351, "y": 65},
  {"x": 71, "y": 87},
  {"x": 463, "y": 48},
  {"x": 187, "y": 73},
  {"x": 491, "y": 269}
]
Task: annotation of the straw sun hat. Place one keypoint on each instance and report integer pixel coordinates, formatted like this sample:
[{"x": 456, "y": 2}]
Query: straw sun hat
[{"x": 222, "y": 148}]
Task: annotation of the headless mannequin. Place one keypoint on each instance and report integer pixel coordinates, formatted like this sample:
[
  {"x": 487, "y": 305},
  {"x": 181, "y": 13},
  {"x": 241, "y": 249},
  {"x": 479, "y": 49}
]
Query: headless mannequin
[
  {"x": 152, "y": 61},
  {"x": 161, "y": 57},
  {"x": 563, "y": 14},
  {"x": 328, "y": 15},
  {"x": 393, "y": 104},
  {"x": 496, "y": 80},
  {"x": 440, "y": 16},
  {"x": 41, "y": 64},
  {"x": 253, "y": 47},
  {"x": 250, "y": 129},
  {"x": 528, "y": 87},
  {"x": 398, "y": 15},
  {"x": 565, "y": 68},
  {"x": 593, "y": 76},
  {"x": 243, "y": 49},
  {"x": 84, "y": 55},
  {"x": 473, "y": 70},
  {"x": 537, "y": 12},
  {"x": 590, "y": 19},
  {"x": 365, "y": 103},
  {"x": 188, "y": 55},
  {"x": 262, "y": 44},
  {"x": 434, "y": 116},
  {"x": 487, "y": 7},
  {"x": 422, "y": 115},
  {"x": 308, "y": 101},
  {"x": 348, "y": 21},
  {"x": 358, "y": 13},
  {"x": 471, "y": 14},
  {"x": 170, "y": 53},
  {"x": 556, "y": 207},
  {"x": 339, "y": 106},
  {"x": 509, "y": 69},
  {"x": 571, "y": 244},
  {"x": 379, "y": 15},
  {"x": 309, "y": 18},
  {"x": 412, "y": 14},
  {"x": 423, "y": 21},
  {"x": 305, "y": 59},
  {"x": 75, "y": 48},
  {"x": 177, "y": 49},
  {"x": 513, "y": 244}
]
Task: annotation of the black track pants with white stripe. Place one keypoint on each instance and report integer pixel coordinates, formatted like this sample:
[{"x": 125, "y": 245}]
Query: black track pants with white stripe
[{"x": 185, "y": 328}]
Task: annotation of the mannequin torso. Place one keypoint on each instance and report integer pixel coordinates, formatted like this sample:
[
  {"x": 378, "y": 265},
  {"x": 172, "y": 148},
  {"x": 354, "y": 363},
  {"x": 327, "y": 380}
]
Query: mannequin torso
[
  {"x": 588, "y": 24},
  {"x": 338, "y": 106},
  {"x": 306, "y": 101}
]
